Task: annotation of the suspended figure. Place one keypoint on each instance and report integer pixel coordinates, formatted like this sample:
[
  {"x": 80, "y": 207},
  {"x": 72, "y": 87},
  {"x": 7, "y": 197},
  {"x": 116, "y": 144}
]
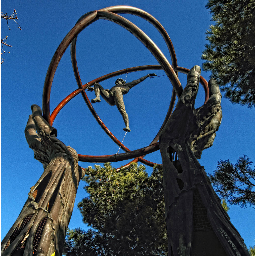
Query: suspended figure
[{"x": 114, "y": 96}]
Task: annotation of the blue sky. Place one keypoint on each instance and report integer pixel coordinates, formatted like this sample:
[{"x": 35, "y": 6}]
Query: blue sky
[{"x": 102, "y": 48}]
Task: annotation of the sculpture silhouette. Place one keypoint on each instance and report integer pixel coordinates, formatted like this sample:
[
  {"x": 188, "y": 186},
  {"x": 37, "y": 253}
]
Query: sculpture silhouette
[
  {"x": 196, "y": 222},
  {"x": 42, "y": 224}
]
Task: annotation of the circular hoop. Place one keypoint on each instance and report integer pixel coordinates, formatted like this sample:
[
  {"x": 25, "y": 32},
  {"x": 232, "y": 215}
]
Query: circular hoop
[{"x": 110, "y": 14}]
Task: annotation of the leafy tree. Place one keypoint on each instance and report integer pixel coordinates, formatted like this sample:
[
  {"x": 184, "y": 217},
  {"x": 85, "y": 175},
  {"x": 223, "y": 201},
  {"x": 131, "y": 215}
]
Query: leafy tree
[
  {"x": 252, "y": 251},
  {"x": 224, "y": 205},
  {"x": 126, "y": 210},
  {"x": 90, "y": 243},
  {"x": 234, "y": 182},
  {"x": 230, "y": 52}
]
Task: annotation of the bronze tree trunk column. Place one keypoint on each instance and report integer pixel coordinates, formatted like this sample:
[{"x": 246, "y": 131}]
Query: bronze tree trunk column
[
  {"x": 196, "y": 221},
  {"x": 42, "y": 224}
]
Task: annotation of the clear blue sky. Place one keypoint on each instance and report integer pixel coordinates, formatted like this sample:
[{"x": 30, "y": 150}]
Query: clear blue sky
[{"x": 102, "y": 48}]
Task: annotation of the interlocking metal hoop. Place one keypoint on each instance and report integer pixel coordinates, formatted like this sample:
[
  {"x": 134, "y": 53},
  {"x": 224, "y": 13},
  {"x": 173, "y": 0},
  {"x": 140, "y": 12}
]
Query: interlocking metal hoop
[{"x": 171, "y": 71}]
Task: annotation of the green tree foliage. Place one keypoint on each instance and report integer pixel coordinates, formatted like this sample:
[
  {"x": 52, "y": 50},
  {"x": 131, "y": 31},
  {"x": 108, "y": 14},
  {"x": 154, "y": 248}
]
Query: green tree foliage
[
  {"x": 126, "y": 211},
  {"x": 230, "y": 52},
  {"x": 252, "y": 251},
  {"x": 125, "y": 208},
  {"x": 224, "y": 205},
  {"x": 235, "y": 182}
]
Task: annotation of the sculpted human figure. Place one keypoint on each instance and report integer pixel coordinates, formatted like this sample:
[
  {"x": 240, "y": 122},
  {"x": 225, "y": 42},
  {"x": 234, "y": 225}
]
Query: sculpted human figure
[{"x": 114, "y": 96}]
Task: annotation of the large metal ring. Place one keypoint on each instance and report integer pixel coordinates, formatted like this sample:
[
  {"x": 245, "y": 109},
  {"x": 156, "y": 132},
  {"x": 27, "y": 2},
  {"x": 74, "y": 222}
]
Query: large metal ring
[{"x": 170, "y": 70}]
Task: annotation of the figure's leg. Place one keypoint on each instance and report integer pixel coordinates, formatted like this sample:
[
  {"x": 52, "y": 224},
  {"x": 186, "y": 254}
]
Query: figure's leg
[
  {"x": 97, "y": 88},
  {"x": 100, "y": 91},
  {"x": 118, "y": 96}
]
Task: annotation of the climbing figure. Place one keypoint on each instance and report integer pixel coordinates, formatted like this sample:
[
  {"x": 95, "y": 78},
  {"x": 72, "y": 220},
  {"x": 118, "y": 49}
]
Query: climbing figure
[{"x": 114, "y": 96}]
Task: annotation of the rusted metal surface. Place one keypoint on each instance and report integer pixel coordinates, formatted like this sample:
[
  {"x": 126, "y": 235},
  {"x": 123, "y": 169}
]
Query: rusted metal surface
[
  {"x": 121, "y": 156},
  {"x": 41, "y": 226},
  {"x": 160, "y": 28},
  {"x": 97, "y": 80},
  {"x": 171, "y": 71},
  {"x": 56, "y": 59}
]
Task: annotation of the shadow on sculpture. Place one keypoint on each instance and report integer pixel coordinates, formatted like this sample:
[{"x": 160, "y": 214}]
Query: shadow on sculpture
[{"x": 196, "y": 222}]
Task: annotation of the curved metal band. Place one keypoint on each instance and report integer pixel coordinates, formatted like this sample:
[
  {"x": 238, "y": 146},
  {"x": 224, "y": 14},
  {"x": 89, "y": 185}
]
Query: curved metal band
[
  {"x": 92, "y": 16},
  {"x": 86, "y": 21},
  {"x": 87, "y": 158},
  {"x": 140, "y": 13},
  {"x": 97, "y": 80},
  {"x": 121, "y": 156},
  {"x": 149, "y": 44},
  {"x": 145, "y": 15},
  {"x": 89, "y": 18},
  {"x": 164, "y": 34},
  {"x": 156, "y": 23},
  {"x": 83, "y": 22},
  {"x": 139, "y": 153}
]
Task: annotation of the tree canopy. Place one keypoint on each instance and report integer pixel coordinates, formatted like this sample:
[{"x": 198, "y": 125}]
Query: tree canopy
[
  {"x": 235, "y": 182},
  {"x": 126, "y": 211},
  {"x": 252, "y": 251},
  {"x": 230, "y": 54}
]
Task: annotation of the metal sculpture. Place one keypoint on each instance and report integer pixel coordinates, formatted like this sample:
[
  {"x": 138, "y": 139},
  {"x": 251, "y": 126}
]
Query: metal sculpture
[
  {"x": 196, "y": 222},
  {"x": 114, "y": 96},
  {"x": 42, "y": 224},
  {"x": 185, "y": 133}
]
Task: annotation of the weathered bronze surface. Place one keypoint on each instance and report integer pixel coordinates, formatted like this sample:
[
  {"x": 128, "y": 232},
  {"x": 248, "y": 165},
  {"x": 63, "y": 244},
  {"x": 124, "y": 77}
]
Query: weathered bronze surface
[
  {"x": 114, "y": 96},
  {"x": 41, "y": 226},
  {"x": 196, "y": 222}
]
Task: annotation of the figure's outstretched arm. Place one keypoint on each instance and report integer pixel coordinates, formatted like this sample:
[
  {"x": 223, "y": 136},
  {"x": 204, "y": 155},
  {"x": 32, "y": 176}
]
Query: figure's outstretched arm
[{"x": 135, "y": 82}]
